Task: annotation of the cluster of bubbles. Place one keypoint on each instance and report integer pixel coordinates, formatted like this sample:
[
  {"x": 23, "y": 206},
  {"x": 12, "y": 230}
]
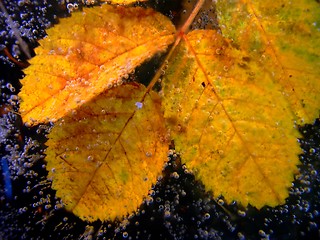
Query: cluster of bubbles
[
  {"x": 74, "y": 5},
  {"x": 178, "y": 207},
  {"x": 23, "y": 22}
]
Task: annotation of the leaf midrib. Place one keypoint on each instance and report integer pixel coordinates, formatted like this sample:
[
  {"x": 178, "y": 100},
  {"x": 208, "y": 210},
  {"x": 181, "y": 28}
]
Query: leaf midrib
[
  {"x": 96, "y": 68},
  {"x": 220, "y": 101}
]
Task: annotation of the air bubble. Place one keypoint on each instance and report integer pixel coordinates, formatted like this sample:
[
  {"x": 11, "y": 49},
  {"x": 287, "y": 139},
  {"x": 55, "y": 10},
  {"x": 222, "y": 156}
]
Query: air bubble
[
  {"x": 314, "y": 172},
  {"x": 119, "y": 82},
  {"x": 241, "y": 236},
  {"x": 10, "y": 87},
  {"x": 152, "y": 192},
  {"x": 167, "y": 214},
  {"x": 149, "y": 200},
  {"x": 220, "y": 152},
  {"x": 312, "y": 150},
  {"x": 90, "y": 158},
  {"x": 262, "y": 233},
  {"x": 221, "y": 202},
  {"x": 241, "y": 213},
  {"x": 175, "y": 175},
  {"x": 70, "y": 7},
  {"x": 14, "y": 98}
]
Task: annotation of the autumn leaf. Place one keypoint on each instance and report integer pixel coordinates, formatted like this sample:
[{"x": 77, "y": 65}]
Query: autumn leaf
[
  {"x": 230, "y": 102},
  {"x": 284, "y": 37},
  {"x": 84, "y": 55},
  {"x": 233, "y": 117},
  {"x": 104, "y": 156}
]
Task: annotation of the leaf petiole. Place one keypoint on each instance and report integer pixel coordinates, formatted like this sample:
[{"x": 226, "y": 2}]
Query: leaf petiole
[{"x": 180, "y": 33}]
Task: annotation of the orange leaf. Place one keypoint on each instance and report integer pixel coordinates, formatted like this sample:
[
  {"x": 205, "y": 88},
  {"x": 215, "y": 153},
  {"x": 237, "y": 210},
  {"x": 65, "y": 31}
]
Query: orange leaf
[
  {"x": 86, "y": 54},
  {"x": 231, "y": 105},
  {"x": 104, "y": 156}
]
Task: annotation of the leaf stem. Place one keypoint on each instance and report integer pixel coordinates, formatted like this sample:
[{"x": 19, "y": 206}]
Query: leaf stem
[
  {"x": 190, "y": 19},
  {"x": 180, "y": 33}
]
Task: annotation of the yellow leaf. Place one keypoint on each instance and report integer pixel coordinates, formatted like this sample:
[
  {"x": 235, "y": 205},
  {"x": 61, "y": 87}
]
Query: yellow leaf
[
  {"x": 104, "y": 156},
  {"x": 231, "y": 103},
  {"x": 284, "y": 36},
  {"x": 86, "y": 54},
  {"x": 230, "y": 121}
]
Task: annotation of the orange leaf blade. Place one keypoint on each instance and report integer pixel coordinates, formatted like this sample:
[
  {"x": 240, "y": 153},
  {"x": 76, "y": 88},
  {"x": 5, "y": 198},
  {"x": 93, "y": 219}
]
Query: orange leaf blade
[
  {"x": 88, "y": 53},
  {"x": 104, "y": 157}
]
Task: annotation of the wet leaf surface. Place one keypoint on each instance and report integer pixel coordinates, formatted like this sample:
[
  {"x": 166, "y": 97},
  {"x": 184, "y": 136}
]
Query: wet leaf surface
[
  {"x": 225, "y": 123},
  {"x": 104, "y": 157},
  {"x": 84, "y": 55}
]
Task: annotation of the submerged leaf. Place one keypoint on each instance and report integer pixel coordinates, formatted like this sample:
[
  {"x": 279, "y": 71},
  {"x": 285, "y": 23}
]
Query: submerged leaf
[
  {"x": 105, "y": 155},
  {"x": 230, "y": 105},
  {"x": 284, "y": 36},
  {"x": 233, "y": 116},
  {"x": 230, "y": 121},
  {"x": 88, "y": 53}
]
